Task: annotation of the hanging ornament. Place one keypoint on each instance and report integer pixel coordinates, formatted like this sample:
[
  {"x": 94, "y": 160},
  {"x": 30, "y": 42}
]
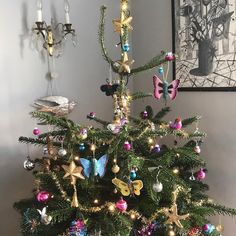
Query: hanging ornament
[
  {"x": 126, "y": 47},
  {"x": 83, "y": 133},
  {"x": 192, "y": 177},
  {"x": 156, "y": 148},
  {"x": 147, "y": 229},
  {"x": 220, "y": 228},
  {"x": 158, "y": 186},
  {"x": 124, "y": 66},
  {"x": 177, "y": 124},
  {"x": 127, "y": 145},
  {"x": 161, "y": 70},
  {"x": 51, "y": 150},
  {"x": 115, "y": 169},
  {"x": 45, "y": 219},
  {"x": 62, "y": 152},
  {"x": 75, "y": 202},
  {"x": 208, "y": 228},
  {"x": 144, "y": 114},
  {"x": 197, "y": 149},
  {"x": 81, "y": 147},
  {"x": 77, "y": 228},
  {"x": 196, "y": 231},
  {"x": 132, "y": 174},
  {"x": 171, "y": 232},
  {"x": 206, "y": 2},
  {"x": 73, "y": 172},
  {"x": 169, "y": 56},
  {"x": 201, "y": 175},
  {"x": 42, "y": 196},
  {"x": 36, "y": 131},
  {"x": 29, "y": 164},
  {"x": 121, "y": 205},
  {"x": 45, "y": 151}
]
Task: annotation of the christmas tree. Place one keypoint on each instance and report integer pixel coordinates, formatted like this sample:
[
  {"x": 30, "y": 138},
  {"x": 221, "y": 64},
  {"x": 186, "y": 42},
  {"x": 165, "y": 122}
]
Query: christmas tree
[{"x": 118, "y": 179}]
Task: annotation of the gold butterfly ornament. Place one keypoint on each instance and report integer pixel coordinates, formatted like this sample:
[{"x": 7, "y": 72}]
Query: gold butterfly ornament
[{"x": 129, "y": 188}]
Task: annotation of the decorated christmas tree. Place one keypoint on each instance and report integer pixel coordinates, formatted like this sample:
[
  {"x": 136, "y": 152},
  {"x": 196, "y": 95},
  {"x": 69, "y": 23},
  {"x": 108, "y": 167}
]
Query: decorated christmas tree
[{"x": 118, "y": 179}]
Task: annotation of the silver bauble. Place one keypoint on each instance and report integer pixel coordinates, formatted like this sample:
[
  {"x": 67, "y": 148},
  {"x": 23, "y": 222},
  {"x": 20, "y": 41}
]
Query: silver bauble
[
  {"x": 29, "y": 164},
  {"x": 157, "y": 187},
  {"x": 62, "y": 152}
]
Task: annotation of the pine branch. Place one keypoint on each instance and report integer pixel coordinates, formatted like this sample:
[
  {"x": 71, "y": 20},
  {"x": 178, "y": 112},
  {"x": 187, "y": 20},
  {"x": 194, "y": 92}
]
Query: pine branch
[
  {"x": 100, "y": 121},
  {"x": 191, "y": 120},
  {"x": 54, "y": 133},
  {"x": 36, "y": 141},
  {"x": 163, "y": 112},
  {"x": 101, "y": 34},
  {"x": 154, "y": 62},
  {"x": 222, "y": 210},
  {"x": 139, "y": 95}
]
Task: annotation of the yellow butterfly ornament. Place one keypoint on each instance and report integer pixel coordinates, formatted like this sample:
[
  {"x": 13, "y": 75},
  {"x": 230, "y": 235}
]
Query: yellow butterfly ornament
[{"x": 132, "y": 187}]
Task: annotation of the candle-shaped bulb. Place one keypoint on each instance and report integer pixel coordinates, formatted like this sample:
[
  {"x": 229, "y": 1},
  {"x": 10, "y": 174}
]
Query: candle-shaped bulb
[
  {"x": 39, "y": 11},
  {"x": 67, "y": 10}
]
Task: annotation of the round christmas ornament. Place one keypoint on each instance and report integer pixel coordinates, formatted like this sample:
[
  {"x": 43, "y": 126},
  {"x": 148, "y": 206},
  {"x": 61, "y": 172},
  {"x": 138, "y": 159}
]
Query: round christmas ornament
[
  {"x": 220, "y": 228},
  {"x": 127, "y": 146},
  {"x": 157, "y": 187},
  {"x": 126, "y": 47},
  {"x": 62, "y": 152},
  {"x": 115, "y": 169},
  {"x": 77, "y": 228},
  {"x": 36, "y": 131},
  {"x": 83, "y": 133},
  {"x": 144, "y": 115},
  {"x": 161, "y": 70},
  {"x": 196, "y": 231},
  {"x": 201, "y": 175},
  {"x": 121, "y": 205},
  {"x": 81, "y": 147},
  {"x": 42, "y": 196},
  {"x": 171, "y": 232},
  {"x": 147, "y": 229},
  {"x": 91, "y": 115},
  {"x": 132, "y": 174},
  {"x": 29, "y": 164},
  {"x": 169, "y": 56},
  {"x": 197, "y": 149},
  {"x": 156, "y": 149},
  {"x": 208, "y": 228}
]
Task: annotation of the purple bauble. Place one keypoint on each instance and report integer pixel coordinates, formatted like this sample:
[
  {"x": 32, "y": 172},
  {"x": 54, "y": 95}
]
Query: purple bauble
[
  {"x": 43, "y": 196},
  {"x": 205, "y": 227},
  {"x": 121, "y": 205},
  {"x": 127, "y": 146},
  {"x": 201, "y": 175},
  {"x": 156, "y": 149},
  {"x": 169, "y": 56},
  {"x": 36, "y": 131},
  {"x": 144, "y": 114}
]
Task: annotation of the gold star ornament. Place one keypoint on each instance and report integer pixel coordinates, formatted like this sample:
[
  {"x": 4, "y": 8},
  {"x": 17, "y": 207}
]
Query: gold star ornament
[
  {"x": 173, "y": 216},
  {"x": 121, "y": 24},
  {"x": 125, "y": 65},
  {"x": 73, "y": 172}
]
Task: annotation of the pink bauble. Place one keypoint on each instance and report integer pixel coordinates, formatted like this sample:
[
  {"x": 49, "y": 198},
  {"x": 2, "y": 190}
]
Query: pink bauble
[
  {"x": 36, "y": 131},
  {"x": 121, "y": 205},
  {"x": 169, "y": 56},
  {"x": 201, "y": 174},
  {"x": 205, "y": 227},
  {"x": 127, "y": 146},
  {"x": 43, "y": 196}
]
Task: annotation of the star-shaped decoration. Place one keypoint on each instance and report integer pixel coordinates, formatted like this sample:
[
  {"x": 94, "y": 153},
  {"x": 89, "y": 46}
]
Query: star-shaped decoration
[
  {"x": 73, "y": 172},
  {"x": 125, "y": 65},
  {"x": 119, "y": 24},
  {"x": 173, "y": 216}
]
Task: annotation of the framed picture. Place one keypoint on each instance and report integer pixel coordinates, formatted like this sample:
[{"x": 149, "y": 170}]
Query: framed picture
[{"x": 204, "y": 39}]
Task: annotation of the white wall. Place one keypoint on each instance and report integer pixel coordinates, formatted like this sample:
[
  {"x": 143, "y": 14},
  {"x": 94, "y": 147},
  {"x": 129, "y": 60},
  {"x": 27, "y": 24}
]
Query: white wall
[
  {"x": 152, "y": 24},
  {"x": 22, "y": 75}
]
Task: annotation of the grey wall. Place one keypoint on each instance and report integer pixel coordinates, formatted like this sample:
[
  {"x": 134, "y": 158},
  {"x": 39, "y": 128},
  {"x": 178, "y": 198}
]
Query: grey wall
[
  {"x": 22, "y": 74},
  {"x": 152, "y": 24}
]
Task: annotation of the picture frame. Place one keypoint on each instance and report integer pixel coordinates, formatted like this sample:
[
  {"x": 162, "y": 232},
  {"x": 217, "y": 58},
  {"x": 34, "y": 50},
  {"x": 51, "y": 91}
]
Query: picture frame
[{"x": 204, "y": 40}]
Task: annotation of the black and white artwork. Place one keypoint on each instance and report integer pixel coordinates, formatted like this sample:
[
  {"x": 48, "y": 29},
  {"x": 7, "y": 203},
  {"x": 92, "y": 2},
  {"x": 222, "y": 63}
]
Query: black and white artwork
[{"x": 205, "y": 43}]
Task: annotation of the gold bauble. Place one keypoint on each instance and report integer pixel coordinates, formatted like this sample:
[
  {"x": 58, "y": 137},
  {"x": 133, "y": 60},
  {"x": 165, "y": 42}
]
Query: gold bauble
[
  {"x": 115, "y": 169},
  {"x": 115, "y": 191},
  {"x": 220, "y": 228},
  {"x": 171, "y": 233}
]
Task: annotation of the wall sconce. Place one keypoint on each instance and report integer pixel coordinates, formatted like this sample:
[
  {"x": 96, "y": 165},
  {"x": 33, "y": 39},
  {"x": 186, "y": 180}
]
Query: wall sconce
[{"x": 53, "y": 35}]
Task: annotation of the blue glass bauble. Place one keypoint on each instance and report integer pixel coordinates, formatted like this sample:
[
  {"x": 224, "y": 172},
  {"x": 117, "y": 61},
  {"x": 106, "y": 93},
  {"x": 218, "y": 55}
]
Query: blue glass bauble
[
  {"x": 126, "y": 47},
  {"x": 132, "y": 175}
]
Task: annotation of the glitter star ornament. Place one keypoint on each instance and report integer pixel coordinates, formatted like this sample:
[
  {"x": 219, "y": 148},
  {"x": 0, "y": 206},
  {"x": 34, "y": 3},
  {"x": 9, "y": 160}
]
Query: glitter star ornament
[
  {"x": 173, "y": 216},
  {"x": 73, "y": 172},
  {"x": 120, "y": 24}
]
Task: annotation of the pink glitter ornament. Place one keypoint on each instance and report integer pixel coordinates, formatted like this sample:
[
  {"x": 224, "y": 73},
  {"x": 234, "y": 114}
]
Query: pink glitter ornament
[
  {"x": 170, "y": 56},
  {"x": 177, "y": 124},
  {"x": 201, "y": 174},
  {"x": 121, "y": 205},
  {"x": 36, "y": 131},
  {"x": 43, "y": 196},
  {"x": 127, "y": 146},
  {"x": 205, "y": 227}
]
